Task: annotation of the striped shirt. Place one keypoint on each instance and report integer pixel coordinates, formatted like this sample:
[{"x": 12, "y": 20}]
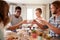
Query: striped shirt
[{"x": 56, "y": 23}]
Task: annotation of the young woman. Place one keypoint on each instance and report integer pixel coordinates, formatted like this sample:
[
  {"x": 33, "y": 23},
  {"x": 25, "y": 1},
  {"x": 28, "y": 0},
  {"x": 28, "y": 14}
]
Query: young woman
[
  {"x": 4, "y": 19},
  {"x": 38, "y": 18}
]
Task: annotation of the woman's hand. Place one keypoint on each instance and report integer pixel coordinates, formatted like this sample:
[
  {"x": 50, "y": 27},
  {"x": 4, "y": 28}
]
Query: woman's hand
[
  {"x": 44, "y": 22},
  {"x": 34, "y": 22}
]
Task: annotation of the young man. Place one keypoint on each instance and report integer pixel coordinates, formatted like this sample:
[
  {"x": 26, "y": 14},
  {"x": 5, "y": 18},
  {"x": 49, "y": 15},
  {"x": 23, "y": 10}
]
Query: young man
[
  {"x": 54, "y": 22},
  {"x": 16, "y": 19}
]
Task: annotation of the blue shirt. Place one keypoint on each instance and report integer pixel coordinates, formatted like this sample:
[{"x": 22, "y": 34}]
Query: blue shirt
[{"x": 56, "y": 23}]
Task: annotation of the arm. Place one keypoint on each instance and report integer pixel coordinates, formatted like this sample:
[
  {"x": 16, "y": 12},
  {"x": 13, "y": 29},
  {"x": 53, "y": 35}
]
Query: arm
[
  {"x": 41, "y": 26},
  {"x": 55, "y": 29},
  {"x": 16, "y": 26}
]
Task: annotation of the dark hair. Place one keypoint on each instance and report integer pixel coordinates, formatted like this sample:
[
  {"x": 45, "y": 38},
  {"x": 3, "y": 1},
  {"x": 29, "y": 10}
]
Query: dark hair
[
  {"x": 4, "y": 9},
  {"x": 56, "y": 4},
  {"x": 18, "y": 7},
  {"x": 39, "y": 9}
]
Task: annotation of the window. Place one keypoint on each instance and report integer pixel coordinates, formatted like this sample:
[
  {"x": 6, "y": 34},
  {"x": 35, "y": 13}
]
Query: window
[{"x": 29, "y": 13}]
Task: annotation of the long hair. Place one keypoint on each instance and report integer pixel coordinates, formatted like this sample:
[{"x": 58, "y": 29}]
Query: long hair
[
  {"x": 4, "y": 9},
  {"x": 56, "y": 4}
]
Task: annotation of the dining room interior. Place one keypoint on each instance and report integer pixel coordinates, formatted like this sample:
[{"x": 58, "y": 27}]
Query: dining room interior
[{"x": 28, "y": 9}]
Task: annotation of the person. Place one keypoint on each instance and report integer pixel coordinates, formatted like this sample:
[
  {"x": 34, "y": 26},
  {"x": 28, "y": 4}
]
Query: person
[
  {"x": 38, "y": 17},
  {"x": 16, "y": 19},
  {"x": 4, "y": 18},
  {"x": 38, "y": 13},
  {"x": 54, "y": 22}
]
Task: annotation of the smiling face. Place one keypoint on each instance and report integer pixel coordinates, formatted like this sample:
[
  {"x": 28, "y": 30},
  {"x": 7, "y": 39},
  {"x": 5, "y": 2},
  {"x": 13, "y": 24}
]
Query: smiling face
[
  {"x": 53, "y": 9},
  {"x": 38, "y": 12},
  {"x": 55, "y": 6},
  {"x": 18, "y": 12}
]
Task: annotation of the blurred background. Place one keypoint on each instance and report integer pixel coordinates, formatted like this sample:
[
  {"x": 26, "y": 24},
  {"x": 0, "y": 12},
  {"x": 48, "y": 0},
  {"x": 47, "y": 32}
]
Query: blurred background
[
  {"x": 28, "y": 12},
  {"x": 29, "y": 6}
]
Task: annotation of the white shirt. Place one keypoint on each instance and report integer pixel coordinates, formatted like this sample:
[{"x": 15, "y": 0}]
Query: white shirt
[{"x": 1, "y": 31}]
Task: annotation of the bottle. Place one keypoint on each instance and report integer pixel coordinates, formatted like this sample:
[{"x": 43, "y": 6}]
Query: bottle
[{"x": 39, "y": 37}]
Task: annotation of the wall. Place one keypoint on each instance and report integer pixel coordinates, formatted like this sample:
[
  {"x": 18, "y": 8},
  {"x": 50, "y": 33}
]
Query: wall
[{"x": 44, "y": 7}]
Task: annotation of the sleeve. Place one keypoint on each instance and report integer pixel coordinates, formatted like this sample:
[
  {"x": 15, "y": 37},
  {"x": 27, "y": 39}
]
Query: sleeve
[
  {"x": 21, "y": 18},
  {"x": 58, "y": 26},
  {"x": 1, "y": 35},
  {"x": 58, "y": 23}
]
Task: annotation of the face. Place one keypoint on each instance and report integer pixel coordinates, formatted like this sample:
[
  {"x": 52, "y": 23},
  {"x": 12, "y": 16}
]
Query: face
[
  {"x": 38, "y": 13},
  {"x": 18, "y": 12},
  {"x": 53, "y": 9}
]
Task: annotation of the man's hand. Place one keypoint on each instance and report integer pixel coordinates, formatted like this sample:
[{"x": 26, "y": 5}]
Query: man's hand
[{"x": 24, "y": 21}]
